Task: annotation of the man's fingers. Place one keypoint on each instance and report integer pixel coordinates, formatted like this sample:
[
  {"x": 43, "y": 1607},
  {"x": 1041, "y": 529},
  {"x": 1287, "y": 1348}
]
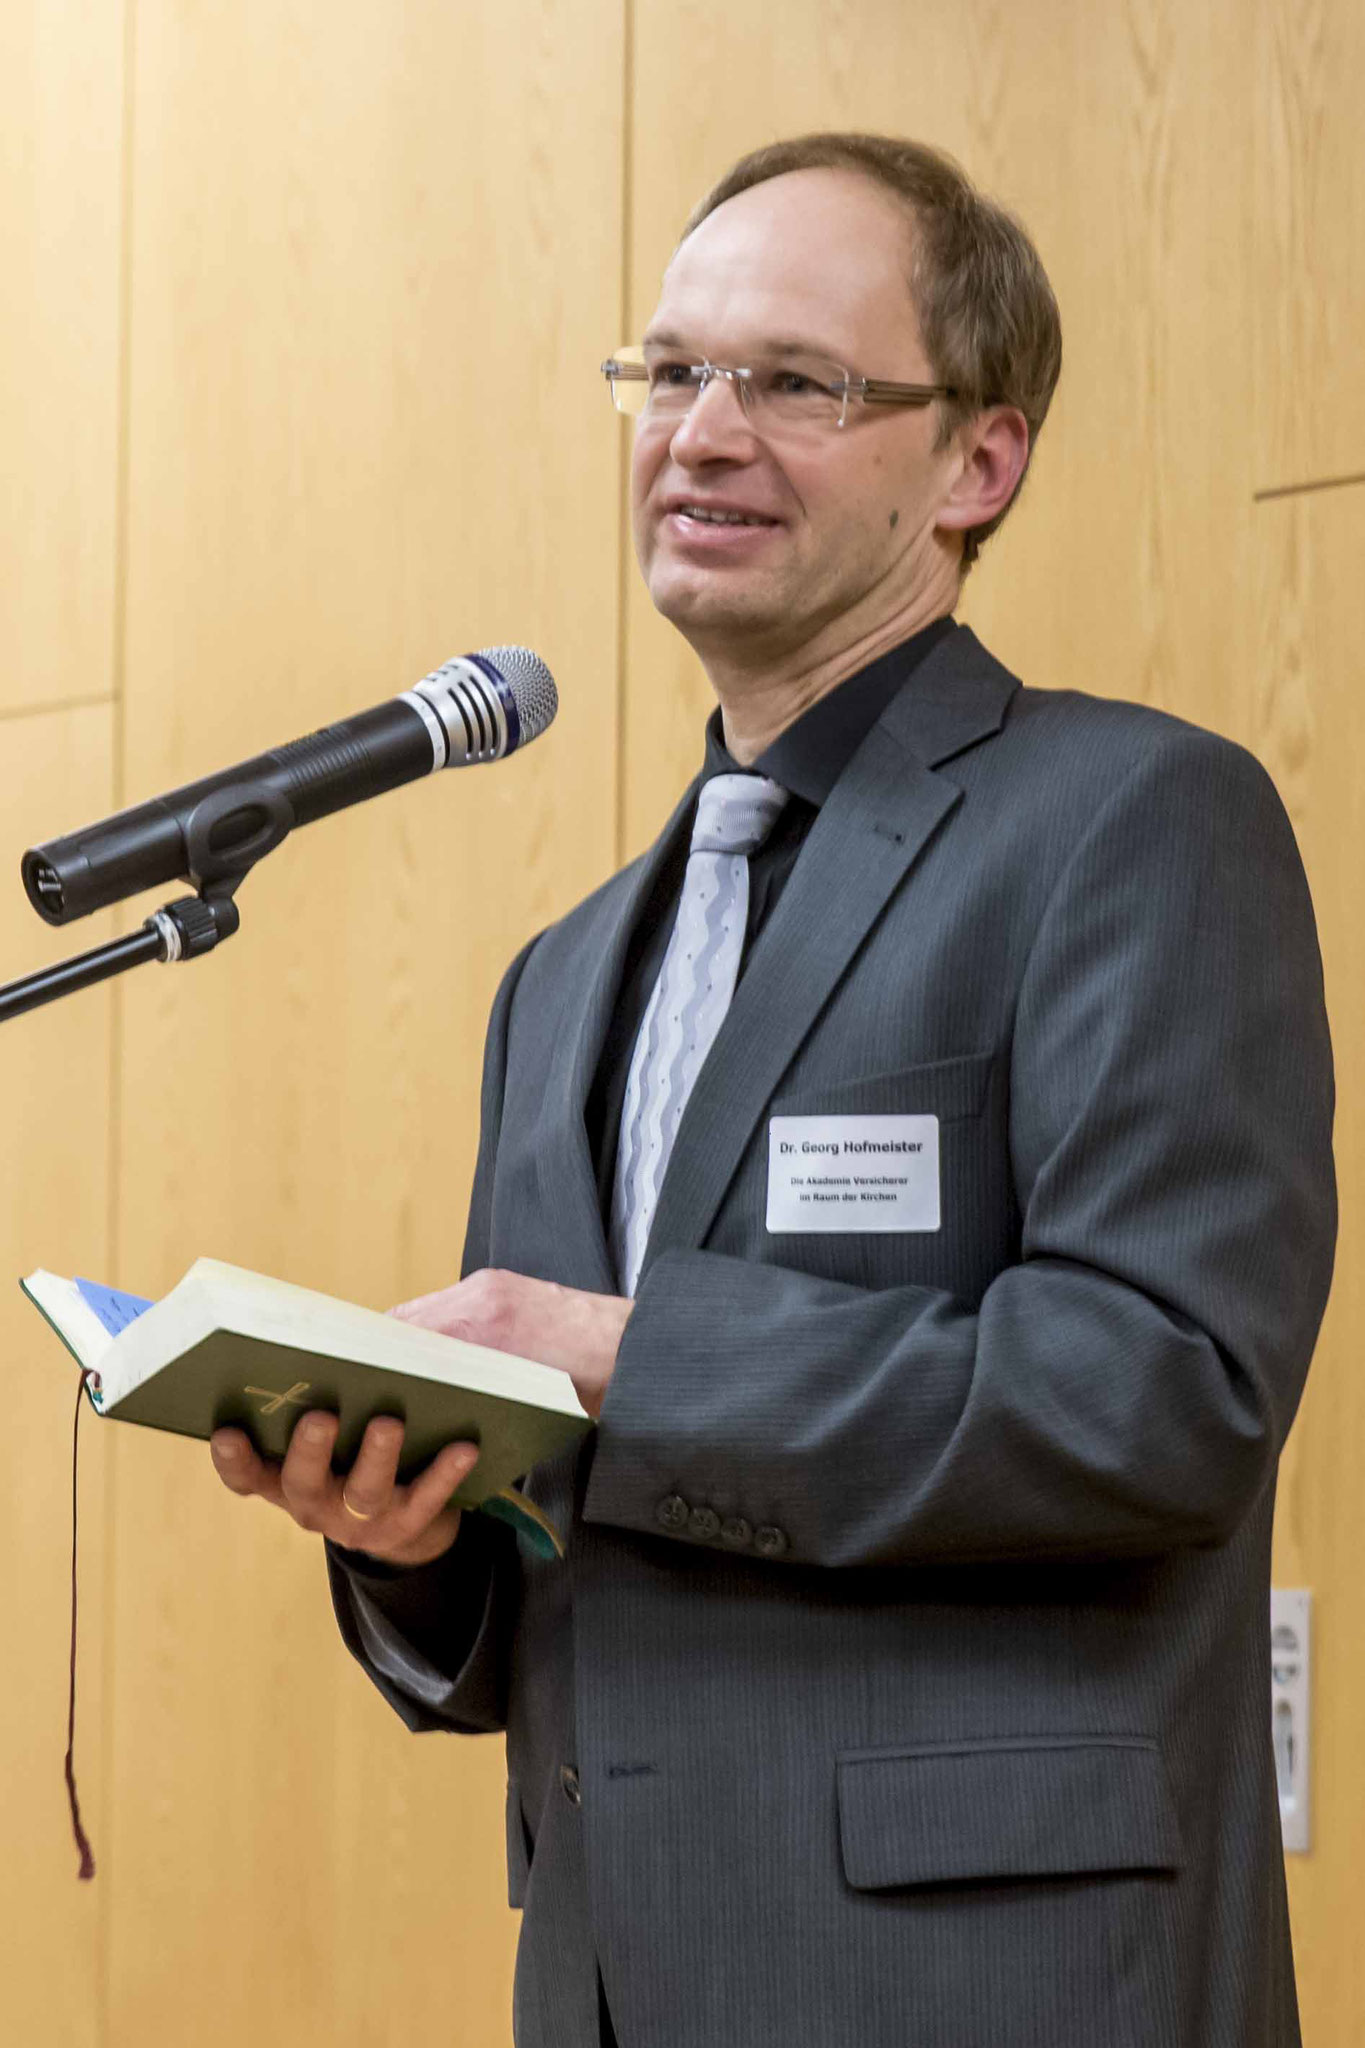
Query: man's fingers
[
  {"x": 240, "y": 1467},
  {"x": 368, "y": 1488},
  {"x": 431, "y": 1489},
  {"x": 443, "y": 1312},
  {"x": 306, "y": 1475},
  {"x": 366, "y": 1510}
]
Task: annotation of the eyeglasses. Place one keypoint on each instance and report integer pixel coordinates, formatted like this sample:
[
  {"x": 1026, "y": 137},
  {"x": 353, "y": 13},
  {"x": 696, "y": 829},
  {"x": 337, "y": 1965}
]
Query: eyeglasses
[{"x": 783, "y": 393}]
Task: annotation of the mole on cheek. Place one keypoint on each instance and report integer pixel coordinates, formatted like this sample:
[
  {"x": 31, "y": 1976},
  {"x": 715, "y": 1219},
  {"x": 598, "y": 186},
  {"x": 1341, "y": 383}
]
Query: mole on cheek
[{"x": 895, "y": 521}]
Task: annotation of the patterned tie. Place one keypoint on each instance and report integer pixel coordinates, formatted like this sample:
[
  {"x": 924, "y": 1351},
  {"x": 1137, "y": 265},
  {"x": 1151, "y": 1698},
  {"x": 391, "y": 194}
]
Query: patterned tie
[{"x": 735, "y": 814}]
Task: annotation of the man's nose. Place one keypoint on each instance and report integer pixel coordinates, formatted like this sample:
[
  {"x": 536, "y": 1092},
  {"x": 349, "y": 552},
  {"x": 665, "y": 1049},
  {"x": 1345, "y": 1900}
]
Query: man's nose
[{"x": 715, "y": 424}]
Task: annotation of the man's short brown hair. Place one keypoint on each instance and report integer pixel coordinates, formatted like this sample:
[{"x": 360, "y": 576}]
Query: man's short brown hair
[{"x": 986, "y": 311}]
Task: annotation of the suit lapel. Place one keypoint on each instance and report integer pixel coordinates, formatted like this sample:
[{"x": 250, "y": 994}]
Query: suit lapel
[
  {"x": 569, "y": 1174},
  {"x": 870, "y": 831}
]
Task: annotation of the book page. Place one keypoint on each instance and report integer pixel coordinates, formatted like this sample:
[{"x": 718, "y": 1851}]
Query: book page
[
  {"x": 216, "y": 1296},
  {"x": 62, "y": 1305}
]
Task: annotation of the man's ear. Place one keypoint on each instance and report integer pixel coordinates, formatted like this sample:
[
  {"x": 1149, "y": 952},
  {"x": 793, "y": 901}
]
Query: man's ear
[{"x": 994, "y": 448}]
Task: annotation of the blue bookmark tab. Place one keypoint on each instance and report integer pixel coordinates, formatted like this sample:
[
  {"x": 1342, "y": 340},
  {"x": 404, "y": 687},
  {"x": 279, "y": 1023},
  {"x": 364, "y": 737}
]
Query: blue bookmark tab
[
  {"x": 534, "y": 1528},
  {"x": 114, "y": 1310}
]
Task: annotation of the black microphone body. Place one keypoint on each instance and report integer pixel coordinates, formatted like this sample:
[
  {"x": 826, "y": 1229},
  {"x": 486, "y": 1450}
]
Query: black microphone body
[{"x": 476, "y": 708}]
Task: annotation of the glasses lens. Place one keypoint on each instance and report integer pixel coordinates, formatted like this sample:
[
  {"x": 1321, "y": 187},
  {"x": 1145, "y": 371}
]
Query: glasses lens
[
  {"x": 796, "y": 393},
  {"x": 674, "y": 382},
  {"x": 784, "y": 394},
  {"x": 627, "y": 380}
]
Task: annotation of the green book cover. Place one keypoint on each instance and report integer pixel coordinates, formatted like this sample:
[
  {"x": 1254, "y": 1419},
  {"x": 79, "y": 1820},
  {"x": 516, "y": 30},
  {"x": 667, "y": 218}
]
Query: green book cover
[{"x": 228, "y": 1346}]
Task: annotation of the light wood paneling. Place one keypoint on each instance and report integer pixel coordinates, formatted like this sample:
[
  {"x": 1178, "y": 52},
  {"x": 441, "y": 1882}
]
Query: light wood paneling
[
  {"x": 1194, "y": 180},
  {"x": 54, "y": 1211},
  {"x": 710, "y": 82},
  {"x": 1117, "y": 570},
  {"x": 373, "y": 258},
  {"x": 1309, "y": 239},
  {"x": 1312, "y": 730},
  {"x": 372, "y": 251},
  {"x": 61, "y": 125},
  {"x": 1121, "y": 569}
]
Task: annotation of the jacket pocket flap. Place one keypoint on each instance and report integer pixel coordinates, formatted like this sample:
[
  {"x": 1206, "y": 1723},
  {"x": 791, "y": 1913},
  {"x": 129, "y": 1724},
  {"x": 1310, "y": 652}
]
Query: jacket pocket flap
[
  {"x": 1044, "y": 1807},
  {"x": 944, "y": 1088}
]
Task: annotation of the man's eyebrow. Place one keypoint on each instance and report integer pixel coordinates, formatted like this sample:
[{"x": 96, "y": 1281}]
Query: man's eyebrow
[{"x": 666, "y": 338}]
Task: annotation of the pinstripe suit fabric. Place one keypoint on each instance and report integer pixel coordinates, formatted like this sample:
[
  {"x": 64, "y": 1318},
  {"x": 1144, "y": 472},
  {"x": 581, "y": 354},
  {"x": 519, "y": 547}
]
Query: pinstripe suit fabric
[{"x": 980, "y": 1758}]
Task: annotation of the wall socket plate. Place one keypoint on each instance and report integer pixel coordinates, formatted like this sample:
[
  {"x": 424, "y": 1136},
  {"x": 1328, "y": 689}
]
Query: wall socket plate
[{"x": 1290, "y": 1701}]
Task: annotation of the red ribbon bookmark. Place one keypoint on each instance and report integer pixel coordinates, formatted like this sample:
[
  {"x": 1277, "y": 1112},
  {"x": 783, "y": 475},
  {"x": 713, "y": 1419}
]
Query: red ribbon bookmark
[{"x": 82, "y": 1839}]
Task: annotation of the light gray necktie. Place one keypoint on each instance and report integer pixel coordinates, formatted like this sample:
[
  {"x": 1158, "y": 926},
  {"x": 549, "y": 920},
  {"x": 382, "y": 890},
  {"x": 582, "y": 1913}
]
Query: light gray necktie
[{"x": 735, "y": 814}]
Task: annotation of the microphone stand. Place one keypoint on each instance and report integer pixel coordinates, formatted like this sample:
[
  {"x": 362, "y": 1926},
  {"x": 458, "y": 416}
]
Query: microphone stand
[{"x": 178, "y": 931}]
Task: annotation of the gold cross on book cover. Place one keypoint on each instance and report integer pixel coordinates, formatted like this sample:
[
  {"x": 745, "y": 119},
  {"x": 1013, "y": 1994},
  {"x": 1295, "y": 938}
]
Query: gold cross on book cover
[
  {"x": 228, "y": 1346},
  {"x": 274, "y": 1402}
]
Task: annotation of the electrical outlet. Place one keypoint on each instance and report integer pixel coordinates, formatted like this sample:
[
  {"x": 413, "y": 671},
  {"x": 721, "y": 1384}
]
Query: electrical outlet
[{"x": 1290, "y": 1648}]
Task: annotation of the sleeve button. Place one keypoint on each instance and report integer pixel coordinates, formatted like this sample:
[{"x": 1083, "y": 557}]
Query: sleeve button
[
  {"x": 705, "y": 1523},
  {"x": 769, "y": 1540},
  {"x": 672, "y": 1511},
  {"x": 568, "y": 1778},
  {"x": 736, "y": 1533}
]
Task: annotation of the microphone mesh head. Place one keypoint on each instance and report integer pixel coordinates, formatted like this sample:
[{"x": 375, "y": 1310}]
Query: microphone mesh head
[{"x": 531, "y": 684}]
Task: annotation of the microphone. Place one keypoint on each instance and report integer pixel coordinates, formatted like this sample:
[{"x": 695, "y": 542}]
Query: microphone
[{"x": 478, "y": 707}]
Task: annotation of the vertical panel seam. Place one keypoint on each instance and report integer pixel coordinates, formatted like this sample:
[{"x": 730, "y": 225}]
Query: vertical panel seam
[
  {"x": 118, "y": 735},
  {"x": 623, "y": 540}
]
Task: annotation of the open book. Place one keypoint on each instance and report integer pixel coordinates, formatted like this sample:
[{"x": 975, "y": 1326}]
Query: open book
[{"x": 227, "y": 1346}]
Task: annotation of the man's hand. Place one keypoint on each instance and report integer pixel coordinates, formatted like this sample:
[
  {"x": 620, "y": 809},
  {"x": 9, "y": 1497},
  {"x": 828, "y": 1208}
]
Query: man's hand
[
  {"x": 579, "y": 1333},
  {"x": 367, "y": 1510},
  {"x": 565, "y": 1327}
]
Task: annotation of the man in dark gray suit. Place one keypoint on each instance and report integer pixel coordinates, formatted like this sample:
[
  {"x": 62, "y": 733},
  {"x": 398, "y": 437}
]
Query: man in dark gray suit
[{"x": 920, "y": 1159}]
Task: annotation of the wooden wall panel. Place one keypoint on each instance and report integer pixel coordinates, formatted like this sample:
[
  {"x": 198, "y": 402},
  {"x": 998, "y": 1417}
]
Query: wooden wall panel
[
  {"x": 61, "y": 134},
  {"x": 1312, "y": 612},
  {"x": 1309, "y": 196},
  {"x": 711, "y": 81},
  {"x": 372, "y": 251},
  {"x": 1117, "y": 569},
  {"x": 1122, "y": 140},
  {"x": 1193, "y": 178},
  {"x": 373, "y": 259},
  {"x": 54, "y": 1211}
]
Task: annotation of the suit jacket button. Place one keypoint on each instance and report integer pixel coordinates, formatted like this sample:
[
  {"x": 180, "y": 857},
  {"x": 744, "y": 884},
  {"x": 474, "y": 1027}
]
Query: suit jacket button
[
  {"x": 568, "y": 1778},
  {"x": 769, "y": 1541},
  {"x": 672, "y": 1511},
  {"x": 735, "y": 1533},
  {"x": 704, "y": 1522}
]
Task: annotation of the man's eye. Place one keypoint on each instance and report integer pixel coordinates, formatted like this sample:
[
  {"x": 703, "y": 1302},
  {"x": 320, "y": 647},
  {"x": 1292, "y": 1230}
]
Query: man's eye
[{"x": 674, "y": 375}]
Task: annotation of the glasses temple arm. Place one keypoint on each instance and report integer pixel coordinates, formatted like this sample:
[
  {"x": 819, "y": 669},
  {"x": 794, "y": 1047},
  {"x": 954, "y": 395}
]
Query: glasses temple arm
[{"x": 877, "y": 391}]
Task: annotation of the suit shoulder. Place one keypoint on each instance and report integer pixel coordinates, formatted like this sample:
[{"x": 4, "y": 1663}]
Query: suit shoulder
[
  {"x": 1115, "y": 723},
  {"x": 1103, "y": 742}
]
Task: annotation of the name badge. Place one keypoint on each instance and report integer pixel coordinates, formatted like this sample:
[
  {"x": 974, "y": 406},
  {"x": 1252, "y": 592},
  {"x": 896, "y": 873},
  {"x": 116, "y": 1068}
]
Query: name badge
[{"x": 853, "y": 1173}]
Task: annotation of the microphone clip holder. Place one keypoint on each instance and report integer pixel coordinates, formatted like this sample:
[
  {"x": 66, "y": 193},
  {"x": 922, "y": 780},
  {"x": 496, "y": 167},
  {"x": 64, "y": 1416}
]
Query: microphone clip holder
[
  {"x": 195, "y": 924},
  {"x": 191, "y": 925}
]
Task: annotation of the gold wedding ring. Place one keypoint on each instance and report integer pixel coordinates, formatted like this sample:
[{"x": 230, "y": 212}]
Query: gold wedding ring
[{"x": 359, "y": 1513}]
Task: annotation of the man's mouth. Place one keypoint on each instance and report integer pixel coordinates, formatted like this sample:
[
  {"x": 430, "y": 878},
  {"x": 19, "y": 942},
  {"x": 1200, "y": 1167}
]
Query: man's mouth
[{"x": 715, "y": 515}]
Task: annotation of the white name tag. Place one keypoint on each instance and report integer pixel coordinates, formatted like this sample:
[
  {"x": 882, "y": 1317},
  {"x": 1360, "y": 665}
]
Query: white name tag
[{"x": 853, "y": 1173}]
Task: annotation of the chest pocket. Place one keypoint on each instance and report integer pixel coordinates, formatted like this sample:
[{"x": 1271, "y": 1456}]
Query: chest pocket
[
  {"x": 948, "y": 1089},
  {"x": 978, "y": 1227}
]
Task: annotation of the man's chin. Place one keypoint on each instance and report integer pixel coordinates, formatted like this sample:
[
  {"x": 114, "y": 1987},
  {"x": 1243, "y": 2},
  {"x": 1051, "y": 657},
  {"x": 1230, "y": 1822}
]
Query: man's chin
[{"x": 714, "y": 605}]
